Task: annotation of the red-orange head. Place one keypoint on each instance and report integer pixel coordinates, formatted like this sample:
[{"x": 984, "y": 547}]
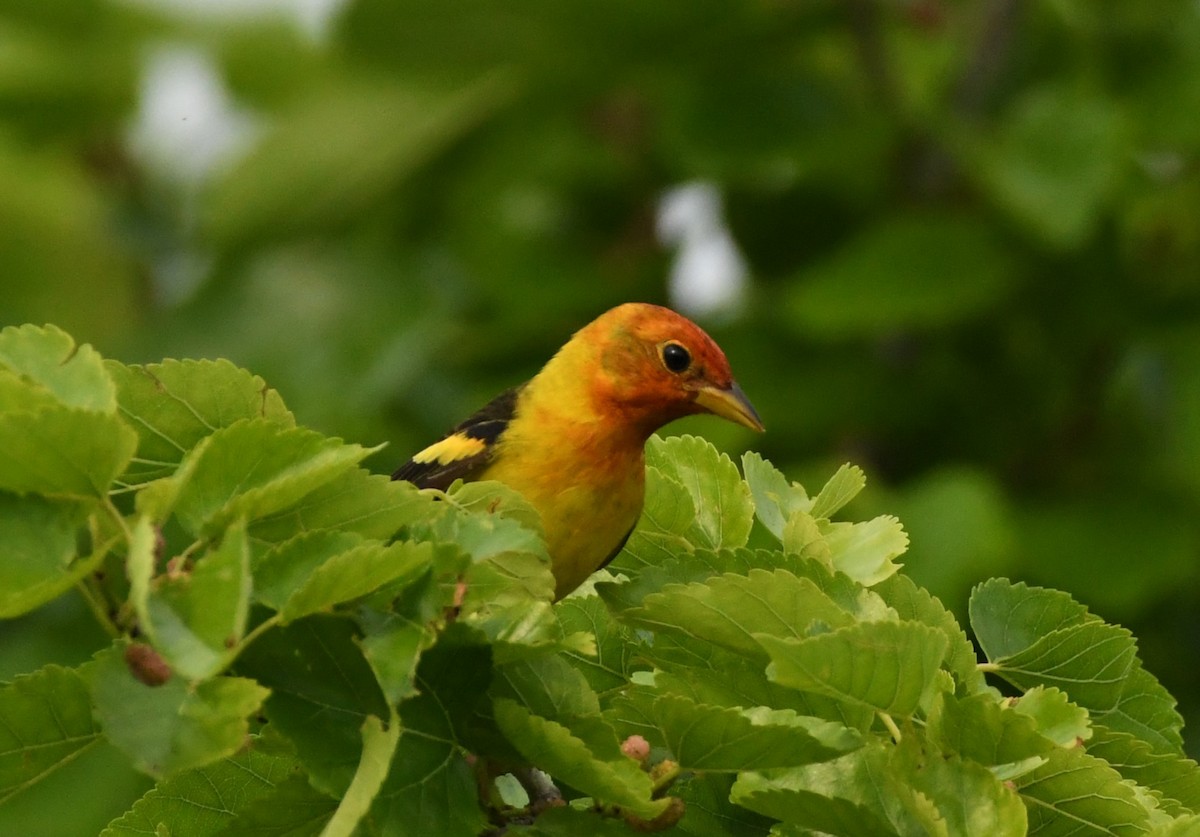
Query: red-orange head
[{"x": 651, "y": 365}]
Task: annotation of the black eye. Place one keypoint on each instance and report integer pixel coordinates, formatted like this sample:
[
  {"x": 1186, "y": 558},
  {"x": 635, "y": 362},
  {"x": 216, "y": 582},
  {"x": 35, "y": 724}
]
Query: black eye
[{"x": 676, "y": 358}]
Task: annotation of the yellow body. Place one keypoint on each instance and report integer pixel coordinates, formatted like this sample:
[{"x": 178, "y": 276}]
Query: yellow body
[
  {"x": 574, "y": 444},
  {"x": 587, "y": 489}
]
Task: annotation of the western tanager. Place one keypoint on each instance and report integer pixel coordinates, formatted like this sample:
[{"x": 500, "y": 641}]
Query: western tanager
[{"x": 572, "y": 439}]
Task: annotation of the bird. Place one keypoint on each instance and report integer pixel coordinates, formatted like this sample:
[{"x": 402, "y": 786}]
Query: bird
[{"x": 572, "y": 439}]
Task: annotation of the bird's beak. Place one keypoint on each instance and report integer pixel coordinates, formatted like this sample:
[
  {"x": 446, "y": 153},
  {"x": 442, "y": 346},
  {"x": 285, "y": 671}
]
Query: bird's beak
[{"x": 730, "y": 404}]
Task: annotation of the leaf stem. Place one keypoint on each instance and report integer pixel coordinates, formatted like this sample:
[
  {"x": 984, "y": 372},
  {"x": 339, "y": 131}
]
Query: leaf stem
[
  {"x": 115, "y": 514},
  {"x": 891, "y": 726},
  {"x": 257, "y": 631},
  {"x": 987, "y": 667},
  {"x": 94, "y": 599}
]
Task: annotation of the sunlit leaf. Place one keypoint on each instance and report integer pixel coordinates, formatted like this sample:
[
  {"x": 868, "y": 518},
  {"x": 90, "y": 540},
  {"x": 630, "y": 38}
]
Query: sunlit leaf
[
  {"x": 63, "y": 451},
  {"x": 48, "y": 358},
  {"x": 886, "y": 665},
  {"x": 257, "y": 467},
  {"x": 716, "y": 738},
  {"x": 174, "y": 404}
]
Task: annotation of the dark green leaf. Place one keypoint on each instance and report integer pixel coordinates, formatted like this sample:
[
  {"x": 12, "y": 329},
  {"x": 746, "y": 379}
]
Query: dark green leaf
[
  {"x": 39, "y": 548},
  {"x": 203, "y": 801},
  {"x": 322, "y": 691},
  {"x": 45, "y": 722}
]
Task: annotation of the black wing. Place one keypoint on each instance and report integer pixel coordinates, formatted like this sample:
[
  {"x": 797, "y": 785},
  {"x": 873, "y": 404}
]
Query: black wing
[{"x": 464, "y": 451}]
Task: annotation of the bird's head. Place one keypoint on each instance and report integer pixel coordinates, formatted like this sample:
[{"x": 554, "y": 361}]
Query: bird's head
[{"x": 654, "y": 366}]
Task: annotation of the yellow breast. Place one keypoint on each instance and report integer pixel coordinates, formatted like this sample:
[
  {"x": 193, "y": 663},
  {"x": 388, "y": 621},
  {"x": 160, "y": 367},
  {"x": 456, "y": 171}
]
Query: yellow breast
[{"x": 587, "y": 489}]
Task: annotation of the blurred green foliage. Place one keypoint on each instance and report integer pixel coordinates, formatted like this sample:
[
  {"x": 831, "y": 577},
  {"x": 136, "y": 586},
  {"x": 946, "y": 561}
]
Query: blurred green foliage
[{"x": 971, "y": 229}]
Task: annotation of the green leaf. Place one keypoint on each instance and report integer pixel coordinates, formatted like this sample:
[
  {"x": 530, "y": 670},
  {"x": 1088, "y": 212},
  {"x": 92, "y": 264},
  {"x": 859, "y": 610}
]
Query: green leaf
[
  {"x": 858, "y": 795},
  {"x": 196, "y": 617},
  {"x": 803, "y": 535},
  {"x": 710, "y": 813},
  {"x": 840, "y": 489},
  {"x": 1064, "y": 723},
  {"x": 39, "y": 548},
  {"x": 732, "y": 610},
  {"x": 322, "y": 691},
  {"x": 985, "y": 730},
  {"x": 357, "y": 572},
  {"x": 884, "y": 665},
  {"x": 702, "y": 565},
  {"x": 865, "y": 551},
  {"x": 610, "y": 667},
  {"x": 668, "y": 509},
  {"x": 547, "y": 686},
  {"x": 611, "y": 777},
  {"x": 174, "y": 404},
  {"x": 1043, "y": 637},
  {"x": 718, "y": 738},
  {"x": 63, "y": 451},
  {"x": 48, "y": 358},
  {"x": 45, "y": 723},
  {"x": 430, "y": 788},
  {"x": 1089, "y": 662},
  {"x": 853, "y": 293},
  {"x": 724, "y": 510},
  {"x": 170, "y": 728},
  {"x": 1009, "y": 618},
  {"x": 1175, "y": 779},
  {"x": 357, "y": 501},
  {"x": 256, "y": 467},
  {"x": 1147, "y": 710},
  {"x": 479, "y": 534},
  {"x": 1075, "y": 793},
  {"x": 972, "y": 801},
  {"x": 393, "y": 647},
  {"x": 491, "y": 497},
  {"x": 285, "y": 567},
  {"x": 705, "y": 673},
  {"x": 775, "y": 499},
  {"x": 204, "y": 800},
  {"x": 916, "y": 604}
]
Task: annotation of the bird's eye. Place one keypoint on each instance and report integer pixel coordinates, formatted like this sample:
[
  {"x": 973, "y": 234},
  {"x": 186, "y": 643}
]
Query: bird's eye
[{"x": 676, "y": 358}]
